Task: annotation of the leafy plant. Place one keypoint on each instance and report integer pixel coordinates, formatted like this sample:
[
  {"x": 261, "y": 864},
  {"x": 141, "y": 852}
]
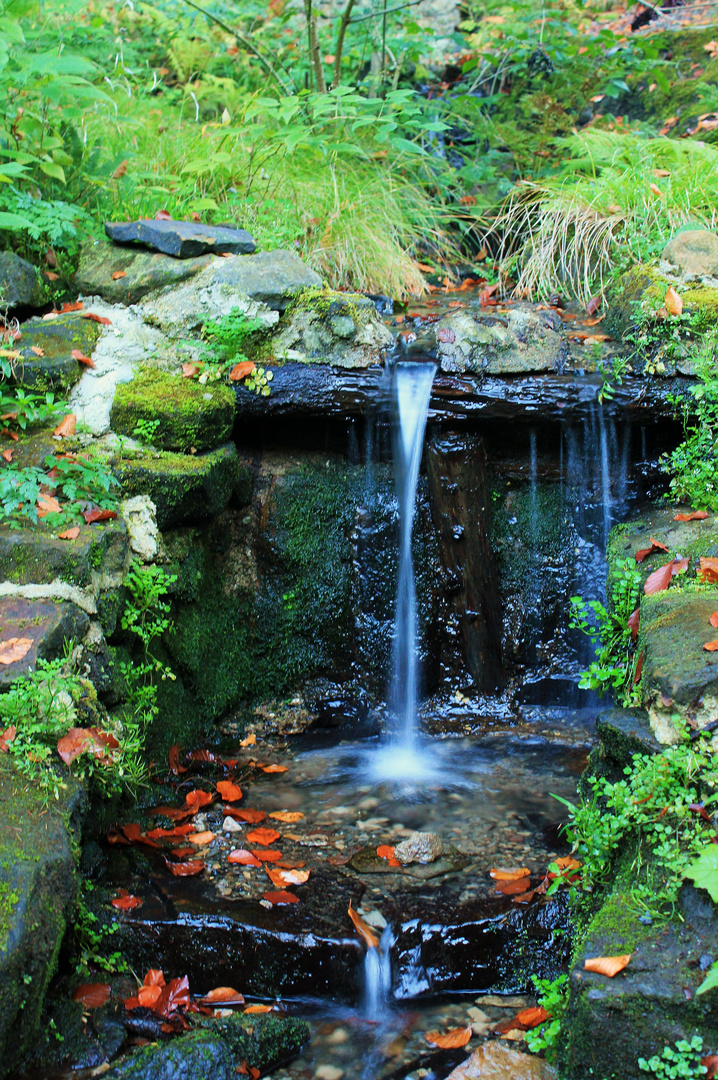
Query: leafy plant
[
  {"x": 24, "y": 408},
  {"x": 657, "y": 808},
  {"x": 553, "y": 997},
  {"x": 229, "y": 337},
  {"x": 82, "y": 479},
  {"x": 694, "y": 463},
  {"x": 90, "y": 938},
  {"x": 146, "y": 430},
  {"x": 653, "y": 332},
  {"x": 607, "y": 627},
  {"x": 258, "y": 380},
  {"x": 683, "y": 1063}
]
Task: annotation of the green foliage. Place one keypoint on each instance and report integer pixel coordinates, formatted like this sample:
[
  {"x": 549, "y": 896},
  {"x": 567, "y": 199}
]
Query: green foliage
[
  {"x": 258, "y": 380},
  {"x": 228, "y": 338},
  {"x": 653, "y": 332},
  {"x": 683, "y": 1063},
  {"x": 81, "y": 480},
  {"x": 704, "y": 871},
  {"x": 553, "y": 996},
  {"x": 693, "y": 465},
  {"x": 90, "y": 938},
  {"x": 145, "y": 431},
  {"x": 607, "y": 627},
  {"x": 24, "y": 408},
  {"x": 650, "y": 809}
]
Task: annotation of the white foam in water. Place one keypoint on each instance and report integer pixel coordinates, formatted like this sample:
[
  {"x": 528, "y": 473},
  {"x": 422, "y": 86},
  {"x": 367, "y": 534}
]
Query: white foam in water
[{"x": 377, "y": 977}]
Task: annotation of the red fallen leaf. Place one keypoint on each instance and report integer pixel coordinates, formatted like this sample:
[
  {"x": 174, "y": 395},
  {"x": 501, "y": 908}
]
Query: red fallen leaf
[
  {"x": 695, "y": 515},
  {"x": 656, "y": 545},
  {"x": 179, "y": 830},
  {"x": 149, "y": 996},
  {"x": 708, "y": 569},
  {"x": 363, "y": 929},
  {"x": 206, "y": 756},
  {"x": 263, "y": 836},
  {"x": 711, "y": 646},
  {"x": 385, "y": 851},
  {"x": 698, "y": 808},
  {"x": 47, "y": 504},
  {"x": 78, "y": 354},
  {"x": 711, "y": 1064},
  {"x": 289, "y": 817},
  {"x": 182, "y": 852},
  {"x": 174, "y": 996},
  {"x": 132, "y": 832},
  {"x": 241, "y": 371},
  {"x": 593, "y": 305},
  {"x": 154, "y": 977},
  {"x": 243, "y": 1068},
  {"x": 607, "y": 965},
  {"x": 512, "y": 887},
  {"x": 69, "y": 534},
  {"x": 163, "y": 215},
  {"x": 173, "y": 756},
  {"x": 77, "y": 741},
  {"x": 7, "y": 737},
  {"x": 14, "y": 649},
  {"x": 77, "y": 306},
  {"x": 7, "y": 455},
  {"x": 486, "y": 294},
  {"x": 267, "y": 854},
  {"x": 225, "y": 994},
  {"x": 92, "y": 995},
  {"x": 673, "y": 302},
  {"x": 274, "y": 768},
  {"x": 451, "y": 1040},
  {"x": 102, "y": 319},
  {"x": 229, "y": 791},
  {"x": 634, "y": 620},
  {"x": 258, "y": 1009},
  {"x": 252, "y": 817},
  {"x": 91, "y": 516},
  {"x": 198, "y": 798},
  {"x": 445, "y": 333},
  {"x": 523, "y": 1021},
  {"x": 281, "y": 897},
  {"x": 119, "y": 274},
  {"x": 661, "y": 578},
  {"x": 185, "y": 869},
  {"x": 511, "y": 874},
  {"x": 714, "y": 619},
  {"x": 126, "y": 903},
  {"x": 190, "y": 370},
  {"x": 66, "y": 426},
  {"x": 244, "y": 858}
]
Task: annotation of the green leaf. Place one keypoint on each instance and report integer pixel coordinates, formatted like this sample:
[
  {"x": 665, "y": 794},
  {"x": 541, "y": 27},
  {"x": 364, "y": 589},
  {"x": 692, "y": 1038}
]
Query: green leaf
[
  {"x": 710, "y": 981},
  {"x": 51, "y": 168},
  {"x": 704, "y": 871},
  {"x": 14, "y": 221}
]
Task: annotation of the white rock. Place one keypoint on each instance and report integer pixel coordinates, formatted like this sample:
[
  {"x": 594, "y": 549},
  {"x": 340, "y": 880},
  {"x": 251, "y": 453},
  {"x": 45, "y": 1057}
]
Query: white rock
[
  {"x": 328, "y": 1072},
  {"x": 421, "y": 847},
  {"x": 231, "y": 825},
  {"x": 140, "y": 515}
]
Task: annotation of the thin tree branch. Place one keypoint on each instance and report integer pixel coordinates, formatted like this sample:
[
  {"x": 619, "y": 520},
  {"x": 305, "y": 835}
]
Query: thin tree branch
[
  {"x": 339, "y": 47},
  {"x": 376, "y": 14}
]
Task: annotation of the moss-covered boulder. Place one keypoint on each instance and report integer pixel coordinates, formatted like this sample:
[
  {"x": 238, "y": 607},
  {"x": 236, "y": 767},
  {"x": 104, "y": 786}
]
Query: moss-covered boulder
[
  {"x": 200, "y": 1055},
  {"x": 692, "y": 538},
  {"x": 55, "y": 367},
  {"x": 144, "y": 271},
  {"x": 183, "y": 487},
  {"x": 611, "y": 1022},
  {"x": 178, "y": 414},
  {"x": 32, "y": 554},
  {"x": 20, "y": 283},
  {"x": 692, "y": 252},
  {"x": 38, "y": 886},
  {"x": 623, "y": 297},
  {"x": 262, "y": 1041},
  {"x": 516, "y": 343},
  {"x": 325, "y": 327}
]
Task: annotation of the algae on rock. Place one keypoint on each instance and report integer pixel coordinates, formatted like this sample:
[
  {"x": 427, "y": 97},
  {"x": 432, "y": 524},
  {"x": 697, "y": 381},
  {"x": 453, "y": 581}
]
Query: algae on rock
[{"x": 191, "y": 416}]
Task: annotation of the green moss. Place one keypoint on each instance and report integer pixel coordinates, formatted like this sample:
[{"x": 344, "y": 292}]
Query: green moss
[
  {"x": 190, "y": 415},
  {"x": 261, "y": 1041},
  {"x": 640, "y": 283},
  {"x": 8, "y": 899}
]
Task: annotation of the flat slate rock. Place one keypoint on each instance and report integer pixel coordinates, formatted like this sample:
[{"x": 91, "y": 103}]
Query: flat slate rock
[
  {"x": 21, "y": 285},
  {"x": 183, "y": 239},
  {"x": 46, "y": 623}
]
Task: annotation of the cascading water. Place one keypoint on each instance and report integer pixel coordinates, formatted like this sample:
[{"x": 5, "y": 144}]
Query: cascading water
[{"x": 377, "y": 977}]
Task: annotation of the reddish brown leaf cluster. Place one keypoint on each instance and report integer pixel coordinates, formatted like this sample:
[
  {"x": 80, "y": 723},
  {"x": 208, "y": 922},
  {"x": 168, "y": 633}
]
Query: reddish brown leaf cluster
[
  {"x": 164, "y": 999},
  {"x": 524, "y": 1020},
  {"x": 95, "y": 741},
  {"x": 695, "y": 515},
  {"x": 661, "y": 578},
  {"x": 655, "y": 545}
]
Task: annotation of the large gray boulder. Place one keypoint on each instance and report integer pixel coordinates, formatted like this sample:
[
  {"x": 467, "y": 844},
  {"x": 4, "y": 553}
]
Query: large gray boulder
[
  {"x": 142, "y": 272},
  {"x": 694, "y": 253},
  {"x": 515, "y": 343},
  {"x": 20, "y": 282},
  {"x": 341, "y": 329},
  {"x": 180, "y": 309},
  {"x": 272, "y": 277},
  {"x": 181, "y": 239}
]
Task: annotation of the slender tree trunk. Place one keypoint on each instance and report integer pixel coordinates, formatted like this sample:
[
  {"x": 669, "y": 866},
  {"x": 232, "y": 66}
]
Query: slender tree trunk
[
  {"x": 315, "y": 54},
  {"x": 339, "y": 48}
]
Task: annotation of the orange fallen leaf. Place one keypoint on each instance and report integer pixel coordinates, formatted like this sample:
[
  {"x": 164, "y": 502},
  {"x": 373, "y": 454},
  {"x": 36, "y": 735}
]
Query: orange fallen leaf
[
  {"x": 363, "y": 929},
  {"x": 451, "y": 1040},
  {"x": 7, "y": 455},
  {"x": 708, "y": 569},
  {"x": 263, "y": 836},
  {"x": 281, "y": 897},
  {"x": 201, "y": 839},
  {"x": 714, "y": 619},
  {"x": 509, "y": 875},
  {"x": 37, "y": 350},
  {"x": 190, "y": 370},
  {"x": 14, "y": 649},
  {"x": 119, "y": 274},
  {"x": 274, "y": 768},
  {"x": 695, "y": 515},
  {"x": 92, "y": 995},
  {"x": 79, "y": 355},
  {"x": 512, "y": 887},
  {"x": 126, "y": 903},
  {"x": 607, "y": 965},
  {"x": 174, "y": 760},
  {"x": 148, "y": 996},
  {"x": 185, "y": 869},
  {"x": 229, "y": 791},
  {"x": 241, "y": 371},
  {"x": 655, "y": 189},
  {"x": 182, "y": 853},
  {"x": 655, "y": 545},
  {"x": 524, "y": 1020},
  {"x": 661, "y": 578},
  {"x": 280, "y": 878},
  {"x": 258, "y": 1009},
  {"x": 249, "y": 741},
  {"x": 154, "y": 977},
  {"x": 7, "y": 736},
  {"x": 244, "y": 858},
  {"x": 225, "y": 994},
  {"x": 267, "y": 854},
  {"x": 673, "y": 303},
  {"x": 51, "y": 275},
  {"x": 47, "y": 504},
  {"x": 288, "y": 817},
  {"x": 101, "y": 319},
  {"x": 198, "y": 798},
  {"x": 711, "y": 646},
  {"x": 69, "y": 534},
  {"x": 386, "y": 851}
]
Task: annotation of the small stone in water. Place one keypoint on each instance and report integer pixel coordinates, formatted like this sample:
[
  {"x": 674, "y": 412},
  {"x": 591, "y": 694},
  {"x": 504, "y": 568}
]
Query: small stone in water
[
  {"x": 419, "y": 847},
  {"x": 374, "y": 918},
  {"x": 339, "y": 1036},
  {"x": 328, "y": 1072},
  {"x": 232, "y": 825}
]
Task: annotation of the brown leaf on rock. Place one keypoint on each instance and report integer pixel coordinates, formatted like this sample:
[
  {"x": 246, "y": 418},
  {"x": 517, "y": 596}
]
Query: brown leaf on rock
[
  {"x": 281, "y": 897},
  {"x": 708, "y": 570},
  {"x": 274, "y": 768},
  {"x": 714, "y": 619},
  {"x": 661, "y": 578},
  {"x": 509, "y": 874},
  {"x": 639, "y": 669},
  {"x": 607, "y": 965},
  {"x": 7, "y": 455},
  {"x": 229, "y": 791},
  {"x": 711, "y": 646},
  {"x": 656, "y": 545},
  {"x": 79, "y": 355},
  {"x": 47, "y": 504},
  {"x": 673, "y": 302},
  {"x": 241, "y": 371},
  {"x": 95, "y": 515},
  {"x": 263, "y": 836},
  {"x": 386, "y": 851},
  {"x": 196, "y": 798},
  {"x": 69, "y": 534},
  {"x": 67, "y": 426},
  {"x": 190, "y": 370},
  {"x": 363, "y": 929},
  {"x": 593, "y": 305},
  {"x": 244, "y": 858},
  {"x": 252, "y": 817},
  {"x": 710, "y": 1063},
  {"x": 7, "y": 736},
  {"x": 446, "y": 334},
  {"x": 524, "y": 1020},
  {"x": 119, "y": 274},
  {"x": 101, "y": 319},
  {"x": 695, "y": 515},
  {"x": 149, "y": 996},
  {"x": 92, "y": 995},
  {"x": 633, "y": 623},
  {"x": 450, "y": 1040},
  {"x": 185, "y": 869},
  {"x": 14, "y": 649}
]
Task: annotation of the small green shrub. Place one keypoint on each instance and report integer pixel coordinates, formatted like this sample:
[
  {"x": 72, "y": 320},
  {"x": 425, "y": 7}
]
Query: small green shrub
[
  {"x": 693, "y": 465},
  {"x": 683, "y": 1063},
  {"x": 553, "y": 997},
  {"x": 82, "y": 479}
]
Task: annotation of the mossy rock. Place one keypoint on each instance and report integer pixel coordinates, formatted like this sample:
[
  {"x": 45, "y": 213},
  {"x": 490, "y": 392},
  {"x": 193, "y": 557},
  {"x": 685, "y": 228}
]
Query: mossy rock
[
  {"x": 49, "y": 625},
  {"x": 145, "y": 271},
  {"x": 183, "y": 487},
  {"x": 692, "y": 538},
  {"x": 262, "y": 1041},
  {"x": 326, "y": 327},
  {"x": 190, "y": 415},
  {"x": 38, "y": 886},
  {"x": 611, "y": 1022},
  {"x": 639, "y": 284},
  {"x": 200, "y": 1055},
  {"x": 32, "y": 555},
  {"x": 57, "y": 368}
]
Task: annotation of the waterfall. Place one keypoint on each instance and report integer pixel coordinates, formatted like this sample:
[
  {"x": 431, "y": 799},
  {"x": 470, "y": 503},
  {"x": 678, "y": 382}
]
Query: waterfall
[
  {"x": 411, "y": 388},
  {"x": 377, "y": 977}
]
